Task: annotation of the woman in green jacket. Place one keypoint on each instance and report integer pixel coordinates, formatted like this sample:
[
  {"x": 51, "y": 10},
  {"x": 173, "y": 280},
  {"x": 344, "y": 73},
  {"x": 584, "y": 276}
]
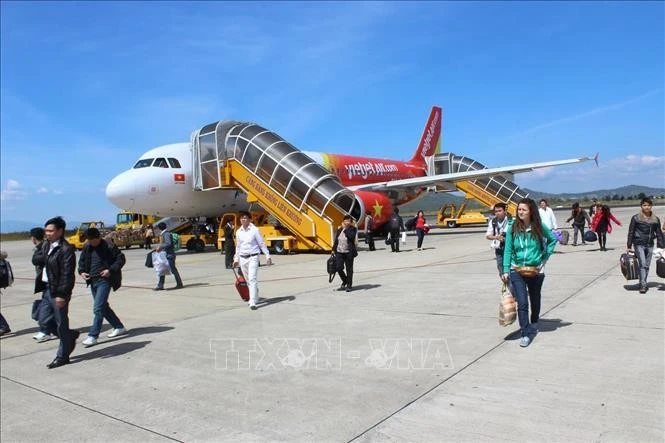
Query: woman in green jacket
[{"x": 529, "y": 243}]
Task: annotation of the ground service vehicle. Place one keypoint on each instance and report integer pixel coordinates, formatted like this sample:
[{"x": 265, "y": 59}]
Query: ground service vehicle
[
  {"x": 194, "y": 234},
  {"x": 277, "y": 238},
  {"x": 131, "y": 220},
  {"x": 78, "y": 238},
  {"x": 450, "y": 217}
]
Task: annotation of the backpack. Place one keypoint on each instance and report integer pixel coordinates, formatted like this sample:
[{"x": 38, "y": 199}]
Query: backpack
[
  {"x": 175, "y": 239},
  {"x": 394, "y": 223},
  {"x": 6, "y": 274},
  {"x": 410, "y": 224}
]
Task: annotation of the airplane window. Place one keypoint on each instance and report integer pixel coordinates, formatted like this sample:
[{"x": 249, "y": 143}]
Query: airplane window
[
  {"x": 160, "y": 163},
  {"x": 174, "y": 163},
  {"x": 143, "y": 163}
]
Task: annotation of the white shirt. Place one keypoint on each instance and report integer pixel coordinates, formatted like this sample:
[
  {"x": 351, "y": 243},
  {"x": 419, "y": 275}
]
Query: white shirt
[
  {"x": 249, "y": 242},
  {"x": 547, "y": 217},
  {"x": 52, "y": 246}
]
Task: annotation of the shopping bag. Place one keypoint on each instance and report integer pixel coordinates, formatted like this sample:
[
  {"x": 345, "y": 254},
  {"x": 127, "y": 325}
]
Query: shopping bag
[
  {"x": 331, "y": 267},
  {"x": 403, "y": 237},
  {"x": 507, "y": 307},
  {"x": 148, "y": 260},
  {"x": 160, "y": 263}
]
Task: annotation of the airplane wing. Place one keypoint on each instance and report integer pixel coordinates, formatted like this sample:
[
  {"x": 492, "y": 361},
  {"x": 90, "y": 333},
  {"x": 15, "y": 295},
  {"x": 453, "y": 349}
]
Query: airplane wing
[{"x": 441, "y": 179}]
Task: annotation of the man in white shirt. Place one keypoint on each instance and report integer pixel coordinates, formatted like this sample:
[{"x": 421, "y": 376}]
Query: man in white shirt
[
  {"x": 496, "y": 231},
  {"x": 249, "y": 245},
  {"x": 547, "y": 215}
]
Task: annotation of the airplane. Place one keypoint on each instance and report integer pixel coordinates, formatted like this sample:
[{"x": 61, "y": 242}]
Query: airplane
[{"x": 160, "y": 182}]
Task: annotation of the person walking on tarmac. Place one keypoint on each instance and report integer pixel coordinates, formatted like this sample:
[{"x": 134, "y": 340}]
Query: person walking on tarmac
[
  {"x": 345, "y": 251},
  {"x": 229, "y": 243},
  {"x": 100, "y": 266},
  {"x": 396, "y": 225},
  {"x": 369, "y": 230},
  {"x": 44, "y": 312},
  {"x": 643, "y": 230},
  {"x": 250, "y": 246},
  {"x": 579, "y": 216},
  {"x": 167, "y": 245}
]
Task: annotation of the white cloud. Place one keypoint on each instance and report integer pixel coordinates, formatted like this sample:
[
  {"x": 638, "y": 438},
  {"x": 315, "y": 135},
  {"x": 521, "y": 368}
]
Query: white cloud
[
  {"x": 57, "y": 192},
  {"x": 12, "y": 191},
  {"x": 42, "y": 190}
]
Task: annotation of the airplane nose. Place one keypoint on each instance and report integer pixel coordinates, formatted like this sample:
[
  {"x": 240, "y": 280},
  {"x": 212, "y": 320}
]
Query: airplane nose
[{"x": 121, "y": 191}]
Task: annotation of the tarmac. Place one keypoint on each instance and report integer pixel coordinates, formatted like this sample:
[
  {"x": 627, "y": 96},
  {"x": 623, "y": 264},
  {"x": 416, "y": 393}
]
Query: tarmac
[{"x": 414, "y": 353}]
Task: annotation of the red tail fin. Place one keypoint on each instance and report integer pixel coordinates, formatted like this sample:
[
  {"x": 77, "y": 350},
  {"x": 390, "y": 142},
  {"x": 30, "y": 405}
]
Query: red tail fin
[{"x": 430, "y": 140}]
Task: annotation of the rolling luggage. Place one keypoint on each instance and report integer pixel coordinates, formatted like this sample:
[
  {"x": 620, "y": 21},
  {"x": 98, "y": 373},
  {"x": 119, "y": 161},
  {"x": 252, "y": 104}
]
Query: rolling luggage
[
  {"x": 630, "y": 268},
  {"x": 565, "y": 236},
  {"x": 241, "y": 285},
  {"x": 590, "y": 237},
  {"x": 660, "y": 267}
]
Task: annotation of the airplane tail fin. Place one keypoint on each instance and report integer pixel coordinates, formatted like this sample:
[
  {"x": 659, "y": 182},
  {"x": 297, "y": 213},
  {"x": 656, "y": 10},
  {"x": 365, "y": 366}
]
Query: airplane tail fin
[{"x": 430, "y": 142}]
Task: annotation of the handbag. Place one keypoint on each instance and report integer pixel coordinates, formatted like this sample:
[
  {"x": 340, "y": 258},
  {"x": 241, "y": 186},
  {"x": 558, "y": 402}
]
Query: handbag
[
  {"x": 507, "y": 307},
  {"x": 331, "y": 267},
  {"x": 527, "y": 271},
  {"x": 148, "y": 260}
]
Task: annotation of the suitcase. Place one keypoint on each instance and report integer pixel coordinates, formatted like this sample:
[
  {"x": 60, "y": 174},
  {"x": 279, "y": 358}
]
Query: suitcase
[
  {"x": 565, "y": 236},
  {"x": 660, "y": 267},
  {"x": 241, "y": 285},
  {"x": 630, "y": 268},
  {"x": 590, "y": 237}
]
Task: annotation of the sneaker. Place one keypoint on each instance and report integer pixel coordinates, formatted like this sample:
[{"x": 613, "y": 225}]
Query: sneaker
[
  {"x": 116, "y": 332},
  {"x": 643, "y": 289},
  {"x": 525, "y": 341},
  {"x": 342, "y": 287},
  {"x": 89, "y": 341},
  {"x": 40, "y": 337},
  {"x": 253, "y": 307}
]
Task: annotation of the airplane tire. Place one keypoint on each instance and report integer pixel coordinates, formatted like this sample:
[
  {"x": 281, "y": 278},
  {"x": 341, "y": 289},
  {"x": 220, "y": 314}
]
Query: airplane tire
[
  {"x": 452, "y": 224},
  {"x": 199, "y": 245}
]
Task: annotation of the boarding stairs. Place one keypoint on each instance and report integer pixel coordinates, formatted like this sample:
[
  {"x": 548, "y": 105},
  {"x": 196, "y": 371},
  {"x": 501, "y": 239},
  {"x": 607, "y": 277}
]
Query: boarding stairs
[
  {"x": 288, "y": 184},
  {"x": 489, "y": 190}
]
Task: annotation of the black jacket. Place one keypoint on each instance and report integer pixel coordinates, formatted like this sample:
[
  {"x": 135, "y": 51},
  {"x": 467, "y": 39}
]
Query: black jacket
[
  {"x": 37, "y": 259},
  {"x": 643, "y": 231},
  {"x": 60, "y": 269},
  {"x": 350, "y": 233},
  {"x": 112, "y": 257}
]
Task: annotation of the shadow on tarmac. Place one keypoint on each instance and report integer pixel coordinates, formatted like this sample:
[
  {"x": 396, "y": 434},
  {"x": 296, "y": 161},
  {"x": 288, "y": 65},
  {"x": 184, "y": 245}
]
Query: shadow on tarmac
[
  {"x": 110, "y": 351},
  {"x": 544, "y": 325},
  {"x": 265, "y": 302}
]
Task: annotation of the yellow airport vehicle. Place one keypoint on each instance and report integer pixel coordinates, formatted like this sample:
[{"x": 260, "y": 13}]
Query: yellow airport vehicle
[
  {"x": 132, "y": 220},
  {"x": 78, "y": 238},
  {"x": 277, "y": 238},
  {"x": 452, "y": 218}
]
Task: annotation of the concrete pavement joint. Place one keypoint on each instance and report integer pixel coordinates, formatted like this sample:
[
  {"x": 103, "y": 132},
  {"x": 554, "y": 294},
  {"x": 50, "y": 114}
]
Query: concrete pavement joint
[{"x": 41, "y": 391}]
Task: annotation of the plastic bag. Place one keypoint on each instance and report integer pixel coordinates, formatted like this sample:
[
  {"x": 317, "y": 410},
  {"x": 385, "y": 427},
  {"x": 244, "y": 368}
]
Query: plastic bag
[
  {"x": 160, "y": 263},
  {"x": 403, "y": 237},
  {"x": 507, "y": 307}
]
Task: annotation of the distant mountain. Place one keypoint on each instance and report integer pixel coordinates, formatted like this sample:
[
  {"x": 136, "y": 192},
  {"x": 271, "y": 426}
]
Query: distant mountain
[
  {"x": 624, "y": 191},
  {"x": 8, "y": 226}
]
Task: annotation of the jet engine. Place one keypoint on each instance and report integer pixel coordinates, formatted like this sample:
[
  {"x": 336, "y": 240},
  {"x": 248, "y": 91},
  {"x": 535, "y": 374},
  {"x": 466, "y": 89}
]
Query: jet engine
[{"x": 379, "y": 205}]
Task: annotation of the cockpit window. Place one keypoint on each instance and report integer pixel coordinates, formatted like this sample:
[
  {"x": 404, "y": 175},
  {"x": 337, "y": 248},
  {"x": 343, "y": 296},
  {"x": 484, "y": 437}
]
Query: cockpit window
[
  {"x": 160, "y": 163},
  {"x": 174, "y": 163},
  {"x": 143, "y": 163}
]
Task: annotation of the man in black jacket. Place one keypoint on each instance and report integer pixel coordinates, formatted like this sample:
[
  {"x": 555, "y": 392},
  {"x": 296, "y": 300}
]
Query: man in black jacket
[
  {"x": 396, "y": 225},
  {"x": 100, "y": 266},
  {"x": 44, "y": 312},
  {"x": 58, "y": 271},
  {"x": 644, "y": 228}
]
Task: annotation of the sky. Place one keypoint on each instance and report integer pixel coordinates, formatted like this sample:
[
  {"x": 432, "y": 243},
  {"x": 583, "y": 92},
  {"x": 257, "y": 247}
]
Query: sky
[{"x": 87, "y": 87}]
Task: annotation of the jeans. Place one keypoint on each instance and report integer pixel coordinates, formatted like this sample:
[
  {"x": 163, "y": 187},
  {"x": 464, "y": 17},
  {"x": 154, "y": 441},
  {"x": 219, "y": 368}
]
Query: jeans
[
  {"x": 250, "y": 267},
  {"x": 101, "y": 288},
  {"x": 499, "y": 260},
  {"x": 174, "y": 271},
  {"x": 4, "y": 326},
  {"x": 46, "y": 317},
  {"x": 644, "y": 254},
  {"x": 345, "y": 260},
  {"x": 62, "y": 320},
  {"x": 421, "y": 236},
  {"x": 576, "y": 229},
  {"x": 525, "y": 290}
]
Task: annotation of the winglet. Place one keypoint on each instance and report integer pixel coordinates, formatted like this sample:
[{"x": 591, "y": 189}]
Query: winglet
[{"x": 595, "y": 158}]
